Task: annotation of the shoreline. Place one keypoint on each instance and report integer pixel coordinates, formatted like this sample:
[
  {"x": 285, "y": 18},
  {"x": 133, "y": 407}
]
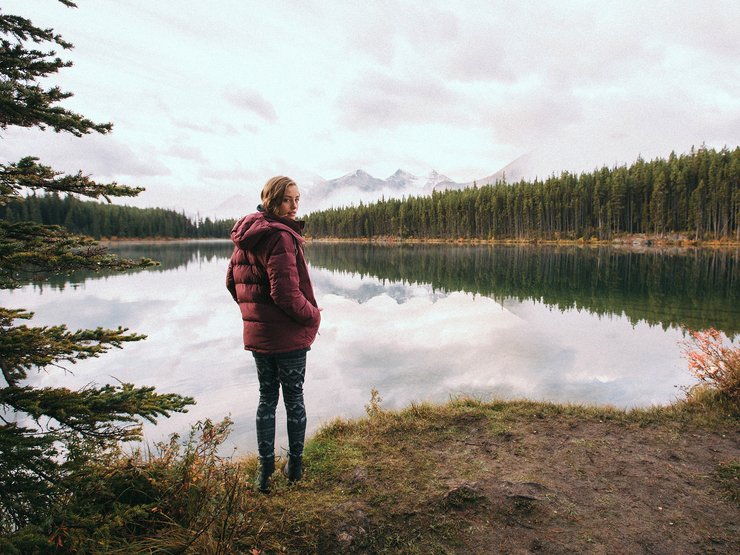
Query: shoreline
[
  {"x": 163, "y": 240},
  {"x": 637, "y": 241}
]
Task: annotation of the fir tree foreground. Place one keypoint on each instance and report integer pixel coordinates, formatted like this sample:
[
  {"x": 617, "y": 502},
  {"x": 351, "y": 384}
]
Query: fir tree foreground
[{"x": 51, "y": 436}]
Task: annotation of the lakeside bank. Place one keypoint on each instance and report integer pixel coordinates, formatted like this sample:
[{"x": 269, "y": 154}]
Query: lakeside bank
[
  {"x": 512, "y": 477},
  {"x": 638, "y": 242},
  {"x": 633, "y": 241},
  {"x": 468, "y": 476}
]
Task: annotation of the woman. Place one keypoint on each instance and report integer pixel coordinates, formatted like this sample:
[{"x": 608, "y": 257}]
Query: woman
[{"x": 268, "y": 277}]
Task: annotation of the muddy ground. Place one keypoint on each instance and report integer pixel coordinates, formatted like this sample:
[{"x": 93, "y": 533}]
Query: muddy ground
[{"x": 537, "y": 483}]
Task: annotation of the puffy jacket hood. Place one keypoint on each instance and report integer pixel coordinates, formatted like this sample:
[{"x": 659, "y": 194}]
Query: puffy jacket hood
[{"x": 252, "y": 228}]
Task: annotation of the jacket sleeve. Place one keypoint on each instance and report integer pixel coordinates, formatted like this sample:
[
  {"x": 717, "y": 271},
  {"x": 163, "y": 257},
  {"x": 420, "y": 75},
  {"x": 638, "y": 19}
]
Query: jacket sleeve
[
  {"x": 284, "y": 282},
  {"x": 230, "y": 284}
]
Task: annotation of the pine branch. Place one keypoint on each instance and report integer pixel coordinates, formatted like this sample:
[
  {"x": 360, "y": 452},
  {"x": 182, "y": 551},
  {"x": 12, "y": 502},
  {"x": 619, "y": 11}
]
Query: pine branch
[
  {"x": 19, "y": 64},
  {"x": 23, "y": 348},
  {"x": 30, "y": 252},
  {"x": 23, "y": 102},
  {"x": 28, "y": 174},
  {"x": 23, "y": 29},
  {"x": 27, "y": 472},
  {"x": 57, "y": 432},
  {"x": 109, "y": 413},
  {"x": 31, "y": 106}
]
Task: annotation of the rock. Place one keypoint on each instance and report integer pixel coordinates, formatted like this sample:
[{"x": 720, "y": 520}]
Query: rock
[
  {"x": 352, "y": 523},
  {"x": 530, "y": 491},
  {"x": 358, "y": 476},
  {"x": 465, "y": 494}
]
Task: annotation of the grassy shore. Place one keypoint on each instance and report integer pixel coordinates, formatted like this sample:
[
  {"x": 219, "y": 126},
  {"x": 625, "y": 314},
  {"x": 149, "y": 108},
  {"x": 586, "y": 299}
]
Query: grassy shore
[
  {"x": 636, "y": 241},
  {"x": 469, "y": 476},
  {"x": 511, "y": 477}
]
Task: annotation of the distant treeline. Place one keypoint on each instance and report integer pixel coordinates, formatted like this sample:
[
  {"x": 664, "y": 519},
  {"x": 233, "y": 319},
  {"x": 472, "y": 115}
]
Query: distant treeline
[
  {"x": 170, "y": 255},
  {"x": 695, "y": 194},
  {"x": 100, "y": 220}
]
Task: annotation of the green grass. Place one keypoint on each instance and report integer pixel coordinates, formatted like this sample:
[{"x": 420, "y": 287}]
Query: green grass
[
  {"x": 728, "y": 475},
  {"x": 376, "y": 483}
]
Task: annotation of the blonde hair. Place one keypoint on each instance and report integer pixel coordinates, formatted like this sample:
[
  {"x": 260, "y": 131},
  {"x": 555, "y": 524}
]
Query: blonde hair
[{"x": 273, "y": 192}]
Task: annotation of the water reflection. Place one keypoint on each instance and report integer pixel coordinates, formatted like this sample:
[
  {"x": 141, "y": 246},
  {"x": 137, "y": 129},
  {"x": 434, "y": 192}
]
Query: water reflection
[
  {"x": 417, "y": 323},
  {"x": 427, "y": 345},
  {"x": 681, "y": 288},
  {"x": 170, "y": 255}
]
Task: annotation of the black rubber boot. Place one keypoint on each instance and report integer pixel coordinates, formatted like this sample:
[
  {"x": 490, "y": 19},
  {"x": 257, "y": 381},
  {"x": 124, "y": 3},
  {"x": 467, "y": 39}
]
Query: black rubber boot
[
  {"x": 293, "y": 469},
  {"x": 267, "y": 467}
]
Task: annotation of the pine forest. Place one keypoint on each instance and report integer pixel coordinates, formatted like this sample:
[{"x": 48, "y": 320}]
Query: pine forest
[
  {"x": 695, "y": 195},
  {"x": 101, "y": 220}
]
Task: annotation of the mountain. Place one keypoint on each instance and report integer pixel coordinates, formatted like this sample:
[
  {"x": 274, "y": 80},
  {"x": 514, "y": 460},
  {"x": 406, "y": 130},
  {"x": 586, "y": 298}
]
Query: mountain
[
  {"x": 352, "y": 188},
  {"x": 360, "y": 180},
  {"x": 512, "y": 172},
  {"x": 359, "y": 186},
  {"x": 402, "y": 180},
  {"x": 539, "y": 163},
  {"x": 235, "y": 207},
  {"x": 438, "y": 182},
  {"x": 410, "y": 184}
]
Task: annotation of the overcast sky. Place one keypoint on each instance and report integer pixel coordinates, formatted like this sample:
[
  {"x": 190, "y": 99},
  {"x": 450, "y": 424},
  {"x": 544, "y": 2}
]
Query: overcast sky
[{"x": 211, "y": 97}]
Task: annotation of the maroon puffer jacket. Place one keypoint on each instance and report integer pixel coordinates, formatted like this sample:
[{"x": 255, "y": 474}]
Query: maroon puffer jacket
[{"x": 268, "y": 277}]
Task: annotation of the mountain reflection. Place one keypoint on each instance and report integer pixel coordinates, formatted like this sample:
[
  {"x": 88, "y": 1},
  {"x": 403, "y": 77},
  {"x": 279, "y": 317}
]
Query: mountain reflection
[
  {"x": 415, "y": 322},
  {"x": 683, "y": 288},
  {"x": 680, "y": 288}
]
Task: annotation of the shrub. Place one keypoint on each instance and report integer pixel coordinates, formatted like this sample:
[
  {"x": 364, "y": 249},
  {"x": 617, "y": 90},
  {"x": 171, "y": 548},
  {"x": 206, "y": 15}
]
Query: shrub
[
  {"x": 716, "y": 365},
  {"x": 180, "y": 496}
]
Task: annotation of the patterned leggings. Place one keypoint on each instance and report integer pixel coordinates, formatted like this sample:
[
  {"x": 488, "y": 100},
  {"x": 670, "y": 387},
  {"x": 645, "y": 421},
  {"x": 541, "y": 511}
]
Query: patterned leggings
[{"x": 273, "y": 370}]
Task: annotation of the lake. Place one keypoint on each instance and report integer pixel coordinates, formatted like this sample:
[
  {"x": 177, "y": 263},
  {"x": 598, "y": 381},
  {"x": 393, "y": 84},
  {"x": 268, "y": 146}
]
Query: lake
[{"x": 416, "y": 322}]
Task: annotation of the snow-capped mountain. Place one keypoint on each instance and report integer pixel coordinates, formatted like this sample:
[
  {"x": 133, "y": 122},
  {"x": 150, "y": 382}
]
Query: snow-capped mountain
[
  {"x": 402, "y": 180},
  {"x": 438, "y": 182},
  {"x": 511, "y": 173},
  {"x": 359, "y": 186},
  {"x": 359, "y": 180},
  {"x": 352, "y": 188}
]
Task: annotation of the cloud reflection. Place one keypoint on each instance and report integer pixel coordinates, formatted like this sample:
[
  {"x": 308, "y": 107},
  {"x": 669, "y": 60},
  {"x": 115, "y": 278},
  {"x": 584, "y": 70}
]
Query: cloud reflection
[
  {"x": 410, "y": 342},
  {"x": 413, "y": 344}
]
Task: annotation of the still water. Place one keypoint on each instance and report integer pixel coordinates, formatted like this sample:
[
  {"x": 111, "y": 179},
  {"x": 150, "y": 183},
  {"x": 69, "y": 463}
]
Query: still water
[{"x": 416, "y": 322}]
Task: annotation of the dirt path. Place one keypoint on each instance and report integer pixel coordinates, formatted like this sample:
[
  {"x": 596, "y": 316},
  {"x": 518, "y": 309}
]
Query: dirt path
[
  {"x": 541, "y": 483},
  {"x": 591, "y": 487}
]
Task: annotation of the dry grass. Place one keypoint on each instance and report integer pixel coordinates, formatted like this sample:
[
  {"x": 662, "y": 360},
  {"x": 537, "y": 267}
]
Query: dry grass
[{"x": 469, "y": 476}]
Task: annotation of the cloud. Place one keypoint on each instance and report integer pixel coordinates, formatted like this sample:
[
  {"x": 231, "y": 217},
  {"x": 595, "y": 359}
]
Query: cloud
[
  {"x": 712, "y": 31},
  {"x": 378, "y": 100},
  {"x": 102, "y": 156},
  {"x": 252, "y": 101},
  {"x": 185, "y": 153},
  {"x": 378, "y": 86},
  {"x": 533, "y": 114},
  {"x": 229, "y": 174},
  {"x": 422, "y": 28},
  {"x": 480, "y": 59},
  {"x": 214, "y": 126}
]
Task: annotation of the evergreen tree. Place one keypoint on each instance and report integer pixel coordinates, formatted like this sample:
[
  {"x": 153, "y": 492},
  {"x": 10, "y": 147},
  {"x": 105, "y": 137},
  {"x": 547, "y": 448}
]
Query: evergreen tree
[
  {"x": 97, "y": 218},
  {"x": 48, "y": 435},
  {"x": 695, "y": 194}
]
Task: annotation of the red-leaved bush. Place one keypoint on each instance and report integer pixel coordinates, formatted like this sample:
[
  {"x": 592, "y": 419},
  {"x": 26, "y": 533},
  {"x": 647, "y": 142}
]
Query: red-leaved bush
[{"x": 715, "y": 364}]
